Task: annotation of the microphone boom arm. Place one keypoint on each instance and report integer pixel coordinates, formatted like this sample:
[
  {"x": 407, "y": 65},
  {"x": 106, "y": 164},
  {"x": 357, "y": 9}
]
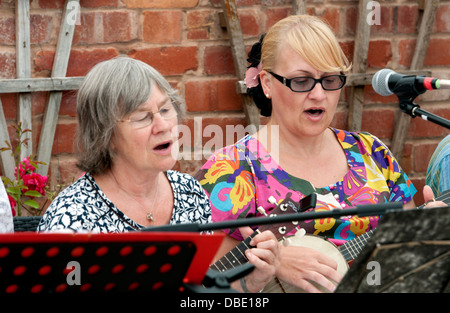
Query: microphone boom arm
[{"x": 406, "y": 96}]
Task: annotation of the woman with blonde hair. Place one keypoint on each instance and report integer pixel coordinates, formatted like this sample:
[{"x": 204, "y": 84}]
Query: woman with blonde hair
[{"x": 296, "y": 75}]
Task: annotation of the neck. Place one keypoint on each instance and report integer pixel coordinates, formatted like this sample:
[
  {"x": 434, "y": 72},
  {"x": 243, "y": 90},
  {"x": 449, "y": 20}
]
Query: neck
[
  {"x": 135, "y": 184},
  {"x": 279, "y": 141}
]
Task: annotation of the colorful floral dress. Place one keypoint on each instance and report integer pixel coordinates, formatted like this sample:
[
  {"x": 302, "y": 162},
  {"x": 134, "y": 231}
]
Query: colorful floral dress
[{"x": 241, "y": 177}]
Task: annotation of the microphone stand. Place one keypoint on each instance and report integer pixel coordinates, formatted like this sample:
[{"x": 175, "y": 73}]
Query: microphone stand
[
  {"x": 361, "y": 210},
  {"x": 406, "y": 96},
  {"x": 414, "y": 110}
]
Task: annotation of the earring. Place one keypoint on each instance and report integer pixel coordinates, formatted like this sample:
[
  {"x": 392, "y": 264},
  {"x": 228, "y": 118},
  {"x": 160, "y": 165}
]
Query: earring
[{"x": 267, "y": 96}]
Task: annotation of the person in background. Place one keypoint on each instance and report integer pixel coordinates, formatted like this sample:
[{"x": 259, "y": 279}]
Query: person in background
[
  {"x": 6, "y": 218},
  {"x": 127, "y": 119},
  {"x": 297, "y": 72},
  {"x": 438, "y": 172}
]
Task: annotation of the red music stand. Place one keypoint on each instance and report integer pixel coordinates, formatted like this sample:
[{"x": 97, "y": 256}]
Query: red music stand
[{"x": 125, "y": 262}]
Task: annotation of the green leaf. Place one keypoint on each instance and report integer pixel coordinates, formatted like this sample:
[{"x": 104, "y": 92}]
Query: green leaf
[
  {"x": 33, "y": 193},
  {"x": 32, "y": 204},
  {"x": 13, "y": 190}
]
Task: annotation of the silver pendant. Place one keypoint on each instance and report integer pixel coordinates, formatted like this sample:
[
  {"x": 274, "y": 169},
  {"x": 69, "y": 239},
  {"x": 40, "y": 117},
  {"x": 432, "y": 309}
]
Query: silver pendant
[{"x": 150, "y": 216}]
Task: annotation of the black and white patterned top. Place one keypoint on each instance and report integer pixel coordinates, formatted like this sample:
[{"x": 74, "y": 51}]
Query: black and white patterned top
[{"x": 83, "y": 207}]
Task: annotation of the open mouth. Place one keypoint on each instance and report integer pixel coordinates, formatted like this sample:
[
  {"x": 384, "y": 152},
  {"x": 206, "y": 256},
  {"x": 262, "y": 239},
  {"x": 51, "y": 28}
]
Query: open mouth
[
  {"x": 315, "y": 112},
  {"x": 163, "y": 146}
]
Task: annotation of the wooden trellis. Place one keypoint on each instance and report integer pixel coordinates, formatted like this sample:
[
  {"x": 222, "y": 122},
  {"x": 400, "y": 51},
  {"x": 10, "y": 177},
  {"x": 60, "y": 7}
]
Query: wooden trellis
[
  {"x": 57, "y": 83},
  {"x": 357, "y": 79},
  {"x": 24, "y": 85}
]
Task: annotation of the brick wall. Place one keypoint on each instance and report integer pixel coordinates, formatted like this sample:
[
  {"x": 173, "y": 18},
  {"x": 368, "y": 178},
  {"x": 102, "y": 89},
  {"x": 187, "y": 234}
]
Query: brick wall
[{"x": 184, "y": 40}]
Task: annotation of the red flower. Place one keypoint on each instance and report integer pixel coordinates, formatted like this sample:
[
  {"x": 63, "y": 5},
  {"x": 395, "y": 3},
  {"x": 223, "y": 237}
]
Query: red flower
[
  {"x": 25, "y": 167},
  {"x": 35, "y": 181},
  {"x": 13, "y": 204}
]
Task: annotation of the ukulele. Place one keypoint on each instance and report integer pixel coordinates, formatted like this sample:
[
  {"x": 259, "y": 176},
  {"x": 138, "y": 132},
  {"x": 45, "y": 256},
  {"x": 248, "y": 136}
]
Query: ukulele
[{"x": 342, "y": 254}]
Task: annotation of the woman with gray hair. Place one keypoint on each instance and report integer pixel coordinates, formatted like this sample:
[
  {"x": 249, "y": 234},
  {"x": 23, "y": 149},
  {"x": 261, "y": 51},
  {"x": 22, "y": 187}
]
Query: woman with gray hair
[{"x": 127, "y": 115}]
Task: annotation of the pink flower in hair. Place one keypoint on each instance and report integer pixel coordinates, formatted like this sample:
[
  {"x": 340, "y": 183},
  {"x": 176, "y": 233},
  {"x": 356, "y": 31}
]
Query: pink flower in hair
[{"x": 252, "y": 75}]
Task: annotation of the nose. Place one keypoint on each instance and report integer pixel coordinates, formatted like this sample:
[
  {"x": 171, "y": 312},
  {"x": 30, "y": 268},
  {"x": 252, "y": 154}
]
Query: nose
[
  {"x": 317, "y": 93},
  {"x": 160, "y": 124}
]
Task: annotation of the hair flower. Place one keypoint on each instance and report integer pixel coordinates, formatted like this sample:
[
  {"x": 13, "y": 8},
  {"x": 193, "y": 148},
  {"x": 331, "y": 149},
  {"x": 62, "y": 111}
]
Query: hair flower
[{"x": 252, "y": 76}]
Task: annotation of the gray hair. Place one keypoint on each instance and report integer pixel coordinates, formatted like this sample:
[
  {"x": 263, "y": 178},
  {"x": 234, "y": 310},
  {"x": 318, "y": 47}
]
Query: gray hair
[{"x": 111, "y": 90}]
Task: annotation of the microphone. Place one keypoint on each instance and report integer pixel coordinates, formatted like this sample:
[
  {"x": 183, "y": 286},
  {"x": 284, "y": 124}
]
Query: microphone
[
  {"x": 386, "y": 82},
  {"x": 407, "y": 87}
]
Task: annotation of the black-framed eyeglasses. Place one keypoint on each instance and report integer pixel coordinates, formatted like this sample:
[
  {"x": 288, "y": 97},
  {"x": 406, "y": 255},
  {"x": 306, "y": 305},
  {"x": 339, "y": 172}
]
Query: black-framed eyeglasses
[{"x": 304, "y": 84}]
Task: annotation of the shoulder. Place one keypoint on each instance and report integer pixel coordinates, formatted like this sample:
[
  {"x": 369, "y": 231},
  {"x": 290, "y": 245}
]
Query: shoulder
[
  {"x": 364, "y": 141},
  {"x": 75, "y": 206},
  {"x": 183, "y": 183}
]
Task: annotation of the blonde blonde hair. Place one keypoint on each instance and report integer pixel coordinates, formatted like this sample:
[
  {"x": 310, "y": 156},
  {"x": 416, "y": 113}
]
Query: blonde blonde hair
[{"x": 311, "y": 37}]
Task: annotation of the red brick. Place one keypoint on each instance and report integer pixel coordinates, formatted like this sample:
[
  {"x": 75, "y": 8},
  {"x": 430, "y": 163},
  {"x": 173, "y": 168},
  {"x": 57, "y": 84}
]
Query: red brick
[
  {"x": 379, "y": 122},
  {"x": 273, "y": 15},
  {"x": 119, "y": 26},
  {"x": 212, "y": 95},
  {"x": 7, "y": 65},
  {"x": 249, "y": 22},
  {"x": 7, "y": 30},
  {"x": 438, "y": 52},
  {"x": 63, "y": 170},
  {"x": 98, "y": 3},
  {"x": 218, "y": 60},
  {"x": 59, "y": 4},
  {"x": 422, "y": 156},
  {"x": 9, "y": 104},
  {"x": 340, "y": 120},
  {"x": 170, "y": 60},
  {"x": 406, "y": 160},
  {"x": 87, "y": 30},
  {"x": 351, "y": 19},
  {"x": 331, "y": 17},
  {"x": 201, "y": 95},
  {"x": 80, "y": 61},
  {"x": 406, "y": 51},
  {"x": 202, "y": 136},
  {"x": 68, "y": 103},
  {"x": 407, "y": 19},
  {"x": 228, "y": 99},
  {"x": 64, "y": 138},
  {"x": 38, "y": 102},
  {"x": 386, "y": 22},
  {"x": 443, "y": 18},
  {"x": 41, "y": 28},
  {"x": 380, "y": 53},
  {"x": 200, "y": 18},
  {"x": 158, "y": 4},
  {"x": 197, "y": 34},
  {"x": 162, "y": 26}
]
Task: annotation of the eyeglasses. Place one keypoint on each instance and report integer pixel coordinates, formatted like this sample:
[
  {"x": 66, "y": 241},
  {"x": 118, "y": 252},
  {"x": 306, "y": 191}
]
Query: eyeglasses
[
  {"x": 142, "y": 119},
  {"x": 304, "y": 84}
]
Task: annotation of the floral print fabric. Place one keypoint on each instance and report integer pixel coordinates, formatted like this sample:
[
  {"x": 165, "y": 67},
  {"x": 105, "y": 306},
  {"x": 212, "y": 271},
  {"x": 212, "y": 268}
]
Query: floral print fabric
[
  {"x": 84, "y": 207},
  {"x": 241, "y": 177}
]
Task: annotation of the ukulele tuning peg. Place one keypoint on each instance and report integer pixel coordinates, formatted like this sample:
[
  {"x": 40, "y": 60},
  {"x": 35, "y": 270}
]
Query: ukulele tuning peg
[
  {"x": 262, "y": 210},
  {"x": 300, "y": 232},
  {"x": 272, "y": 200},
  {"x": 286, "y": 241}
]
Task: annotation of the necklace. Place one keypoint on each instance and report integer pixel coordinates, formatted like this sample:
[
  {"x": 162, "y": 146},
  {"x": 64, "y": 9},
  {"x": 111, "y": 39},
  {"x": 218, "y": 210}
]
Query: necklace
[{"x": 149, "y": 215}]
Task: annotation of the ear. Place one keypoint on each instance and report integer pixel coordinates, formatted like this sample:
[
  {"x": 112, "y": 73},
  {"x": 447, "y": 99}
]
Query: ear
[{"x": 265, "y": 79}]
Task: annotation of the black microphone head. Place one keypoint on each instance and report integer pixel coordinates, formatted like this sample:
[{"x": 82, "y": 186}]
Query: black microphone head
[{"x": 380, "y": 82}]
